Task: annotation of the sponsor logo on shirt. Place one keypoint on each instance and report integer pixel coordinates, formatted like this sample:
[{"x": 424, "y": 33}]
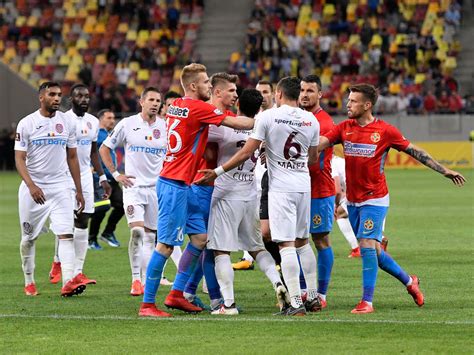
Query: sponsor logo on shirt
[
  {"x": 179, "y": 111},
  {"x": 49, "y": 141},
  {"x": 359, "y": 149},
  {"x": 84, "y": 142},
  {"x": 294, "y": 123},
  {"x": 147, "y": 150}
]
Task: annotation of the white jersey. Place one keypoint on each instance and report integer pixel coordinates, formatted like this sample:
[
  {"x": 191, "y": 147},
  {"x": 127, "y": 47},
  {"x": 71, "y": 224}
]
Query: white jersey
[
  {"x": 87, "y": 130},
  {"x": 288, "y": 133},
  {"x": 339, "y": 169},
  {"x": 45, "y": 141},
  {"x": 145, "y": 147},
  {"x": 238, "y": 183}
]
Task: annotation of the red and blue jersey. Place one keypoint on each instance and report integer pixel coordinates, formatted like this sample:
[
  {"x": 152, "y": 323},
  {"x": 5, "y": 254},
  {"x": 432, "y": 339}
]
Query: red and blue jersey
[
  {"x": 322, "y": 183},
  {"x": 187, "y": 126},
  {"x": 365, "y": 151}
]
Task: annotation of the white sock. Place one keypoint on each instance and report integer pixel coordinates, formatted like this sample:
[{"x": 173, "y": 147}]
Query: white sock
[
  {"x": 135, "y": 247},
  {"x": 176, "y": 255},
  {"x": 266, "y": 263},
  {"x": 66, "y": 257},
  {"x": 291, "y": 273},
  {"x": 81, "y": 243},
  {"x": 308, "y": 264},
  {"x": 247, "y": 256},
  {"x": 346, "y": 229},
  {"x": 225, "y": 277},
  {"x": 56, "y": 255},
  {"x": 27, "y": 252},
  {"x": 148, "y": 247}
]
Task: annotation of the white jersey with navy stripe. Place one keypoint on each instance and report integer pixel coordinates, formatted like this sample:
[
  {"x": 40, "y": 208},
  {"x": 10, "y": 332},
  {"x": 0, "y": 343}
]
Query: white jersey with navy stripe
[
  {"x": 145, "y": 147},
  {"x": 45, "y": 140}
]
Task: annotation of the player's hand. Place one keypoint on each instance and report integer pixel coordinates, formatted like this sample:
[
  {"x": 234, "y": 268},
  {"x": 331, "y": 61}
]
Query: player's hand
[
  {"x": 80, "y": 202},
  {"x": 263, "y": 158},
  {"x": 37, "y": 195},
  {"x": 455, "y": 177},
  {"x": 107, "y": 189},
  {"x": 125, "y": 180},
  {"x": 209, "y": 175}
]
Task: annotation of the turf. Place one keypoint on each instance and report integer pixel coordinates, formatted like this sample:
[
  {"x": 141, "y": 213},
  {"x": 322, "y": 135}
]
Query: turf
[{"x": 430, "y": 226}]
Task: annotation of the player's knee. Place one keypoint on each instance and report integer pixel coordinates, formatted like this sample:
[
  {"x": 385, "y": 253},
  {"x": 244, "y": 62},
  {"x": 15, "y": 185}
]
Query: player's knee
[
  {"x": 367, "y": 243},
  {"x": 266, "y": 234},
  {"x": 341, "y": 213},
  {"x": 137, "y": 233},
  {"x": 321, "y": 240},
  {"x": 65, "y": 236},
  {"x": 199, "y": 240}
]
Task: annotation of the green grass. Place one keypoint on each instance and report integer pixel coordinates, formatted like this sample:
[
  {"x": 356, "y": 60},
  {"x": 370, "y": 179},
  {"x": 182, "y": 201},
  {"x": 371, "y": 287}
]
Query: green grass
[{"x": 430, "y": 225}]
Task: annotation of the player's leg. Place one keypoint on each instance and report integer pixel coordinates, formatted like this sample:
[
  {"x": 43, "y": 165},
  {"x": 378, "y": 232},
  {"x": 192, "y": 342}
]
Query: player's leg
[
  {"x": 322, "y": 216},
  {"x": 55, "y": 271},
  {"x": 101, "y": 206},
  {"x": 150, "y": 223},
  {"x": 116, "y": 202},
  {"x": 342, "y": 219}
]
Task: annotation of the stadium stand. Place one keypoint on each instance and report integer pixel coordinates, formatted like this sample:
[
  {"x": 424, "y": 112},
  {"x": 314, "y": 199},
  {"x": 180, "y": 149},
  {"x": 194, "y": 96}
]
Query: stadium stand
[
  {"x": 116, "y": 47},
  {"x": 407, "y": 48}
]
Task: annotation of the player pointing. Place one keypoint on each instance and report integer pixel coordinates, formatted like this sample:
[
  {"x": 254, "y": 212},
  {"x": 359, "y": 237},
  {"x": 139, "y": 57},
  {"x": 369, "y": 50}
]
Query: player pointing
[{"x": 366, "y": 141}]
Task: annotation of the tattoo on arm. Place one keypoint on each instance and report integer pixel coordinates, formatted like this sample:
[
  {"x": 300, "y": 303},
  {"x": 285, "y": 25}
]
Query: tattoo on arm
[{"x": 424, "y": 158}]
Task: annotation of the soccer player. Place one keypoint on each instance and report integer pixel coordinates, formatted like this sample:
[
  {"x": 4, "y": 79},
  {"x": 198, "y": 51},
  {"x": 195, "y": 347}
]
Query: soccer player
[
  {"x": 45, "y": 149},
  {"x": 291, "y": 135},
  {"x": 188, "y": 121},
  {"x": 87, "y": 129},
  {"x": 233, "y": 222},
  {"x": 106, "y": 124},
  {"x": 144, "y": 138},
  {"x": 323, "y": 192},
  {"x": 338, "y": 166},
  {"x": 366, "y": 141}
]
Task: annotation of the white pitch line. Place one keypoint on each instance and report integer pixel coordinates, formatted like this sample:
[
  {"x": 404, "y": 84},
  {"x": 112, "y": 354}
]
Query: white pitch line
[{"x": 275, "y": 319}]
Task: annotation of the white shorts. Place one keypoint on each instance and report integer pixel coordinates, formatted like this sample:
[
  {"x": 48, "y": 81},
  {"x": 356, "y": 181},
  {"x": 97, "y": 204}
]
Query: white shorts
[
  {"x": 87, "y": 184},
  {"x": 234, "y": 225},
  {"x": 58, "y": 208},
  {"x": 289, "y": 215},
  {"x": 141, "y": 205}
]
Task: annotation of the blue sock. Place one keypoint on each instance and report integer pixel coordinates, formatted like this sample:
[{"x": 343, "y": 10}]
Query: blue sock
[
  {"x": 210, "y": 275},
  {"x": 196, "y": 277},
  {"x": 369, "y": 272},
  {"x": 325, "y": 262},
  {"x": 186, "y": 266},
  {"x": 302, "y": 279},
  {"x": 153, "y": 276},
  {"x": 387, "y": 264}
]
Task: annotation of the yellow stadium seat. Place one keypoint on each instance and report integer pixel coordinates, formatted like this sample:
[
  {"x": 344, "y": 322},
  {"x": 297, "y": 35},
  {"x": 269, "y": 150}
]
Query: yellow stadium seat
[
  {"x": 131, "y": 83},
  {"x": 32, "y": 21},
  {"x": 100, "y": 28},
  {"x": 72, "y": 51},
  {"x": 26, "y": 69},
  {"x": 82, "y": 12},
  {"x": 134, "y": 66},
  {"x": 420, "y": 78},
  {"x": 351, "y": 12},
  {"x": 89, "y": 24},
  {"x": 71, "y": 75},
  {"x": 20, "y": 21},
  {"x": 122, "y": 27},
  {"x": 234, "y": 57},
  {"x": 81, "y": 43},
  {"x": 33, "y": 44},
  {"x": 143, "y": 35},
  {"x": 394, "y": 88},
  {"x": 40, "y": 60},
  {"x": 64, "y": 60},
  {"x": 2, "y": 46},
  {"x": 71, "y": 12},
  {"x": 440, "y": 54},
  {"x": 139, "y": 89},
  {"x": 77, "y": 60},
  {"x": 400, "y": 38},
  {"x": 376, "y": 40},
  {"x": 101, "y": 59},
  {"x": 450, "y": 63},
  {"x": 143, "y": 75},
  {"x": 91, "y": 5},
  {"x": 177, "y": 74},
  {"x": 155, "y": 34},
  {"x": 131, "y": 35},
  {"x": 47, "y": 52},
  {"x": 354, "y": 39},
  {"x": 9, "y": 53},
  {"x": 420, "y": 56},
  {"x": 329, "y": 10},
  {"x": 433, "y": 7}
]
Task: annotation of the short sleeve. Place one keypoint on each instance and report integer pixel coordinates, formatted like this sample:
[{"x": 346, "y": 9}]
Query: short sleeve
[
  {"x": 216, "y": 134},
  {"x": 21, "y": 137},
  {"x": 315, "y": 138},
  {"x": 210, "y": 114},
  {"x": 395, "y": 139},
  {"x": 260, "y": 128},
  {"x": 96, "y": 126},
  {"x": 71, "y": 139},
  {"x": 334, "y": 135},
  {"x": 116, "y": 137}
]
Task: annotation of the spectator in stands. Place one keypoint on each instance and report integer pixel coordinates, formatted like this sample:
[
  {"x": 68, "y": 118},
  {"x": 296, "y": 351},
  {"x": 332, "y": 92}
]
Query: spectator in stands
[
  {"x": 430, "y": 102},
  {"x": 455, "y": 102},
  {"x": 469, "y": 104},
  {"x": 415, "y": 104},
  {"x": 443, "y": 102}
]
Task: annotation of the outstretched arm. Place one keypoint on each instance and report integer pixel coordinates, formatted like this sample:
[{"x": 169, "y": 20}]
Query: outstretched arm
[
  {"x": 323, "y": 143},
  {"x": 424, "y": 158},
  {"x": 239, "y": 122}
]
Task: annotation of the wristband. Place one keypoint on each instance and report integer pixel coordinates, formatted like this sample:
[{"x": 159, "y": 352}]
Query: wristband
[
  {"x": 102, "y": 178},
  {"x": 219, "y": 170},
  {"x": 115, "y": 174}
]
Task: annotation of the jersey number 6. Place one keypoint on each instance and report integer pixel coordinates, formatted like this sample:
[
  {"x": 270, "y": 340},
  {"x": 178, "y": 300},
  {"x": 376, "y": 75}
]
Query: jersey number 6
[{"x": 290, "y": 144}]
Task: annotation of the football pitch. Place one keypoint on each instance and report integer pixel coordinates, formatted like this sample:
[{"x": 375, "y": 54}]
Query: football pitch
[{"x": 430, "y": 225}]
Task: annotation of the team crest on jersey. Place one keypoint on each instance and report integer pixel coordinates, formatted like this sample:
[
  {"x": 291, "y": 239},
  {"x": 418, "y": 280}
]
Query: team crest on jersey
[
  {"x": 368, "y": 224},
  {"x": 375, "y": 137},
  {"x": 89, "y": 125},
  {"x": 130, "y": 210},
  {"x": 27, "y": 228},
  {"x": 59, "y": 128},
  {"x": 156, "y": 134},
  {"x": 317, "y": 220}
]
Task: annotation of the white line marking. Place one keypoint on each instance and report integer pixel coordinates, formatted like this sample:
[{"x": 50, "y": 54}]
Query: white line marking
[{"x": 308, "y": 319}]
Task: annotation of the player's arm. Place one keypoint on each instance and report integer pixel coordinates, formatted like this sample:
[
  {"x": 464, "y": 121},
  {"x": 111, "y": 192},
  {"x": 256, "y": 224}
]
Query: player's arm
[
  {"x": 238, "y": 158},
  {"x": 239, "y": 122},
  {"x": 323, "y": 143},
  {"x": 313, "y": 154},
  {"x": 73, "y": 163},
  {"x": 106, "y": 157},
  {"x": 98, "y": 168},
  {"x": 337, "y": 184},
  {"x": 424, "y": 158},
  {"x": 36, "y": 193}
]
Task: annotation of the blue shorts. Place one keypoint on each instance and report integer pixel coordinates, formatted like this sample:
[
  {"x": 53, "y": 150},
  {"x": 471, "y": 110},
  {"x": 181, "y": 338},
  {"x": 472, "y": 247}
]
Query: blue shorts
[
  {"x": 322, "y": 214},
  {"x": 203, "y": 195},
  {"x": 178, "y": 212},
  {"x": 367, "y": 221}
]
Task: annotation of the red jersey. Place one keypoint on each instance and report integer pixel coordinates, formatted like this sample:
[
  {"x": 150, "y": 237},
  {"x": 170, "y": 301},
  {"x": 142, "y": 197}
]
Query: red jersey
[
  {"x": 365, "y": 151},
  {"x": 322, "y": 183},
  {"x": 204, "y": 164},
  {"x": 187, "y": 126}
]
